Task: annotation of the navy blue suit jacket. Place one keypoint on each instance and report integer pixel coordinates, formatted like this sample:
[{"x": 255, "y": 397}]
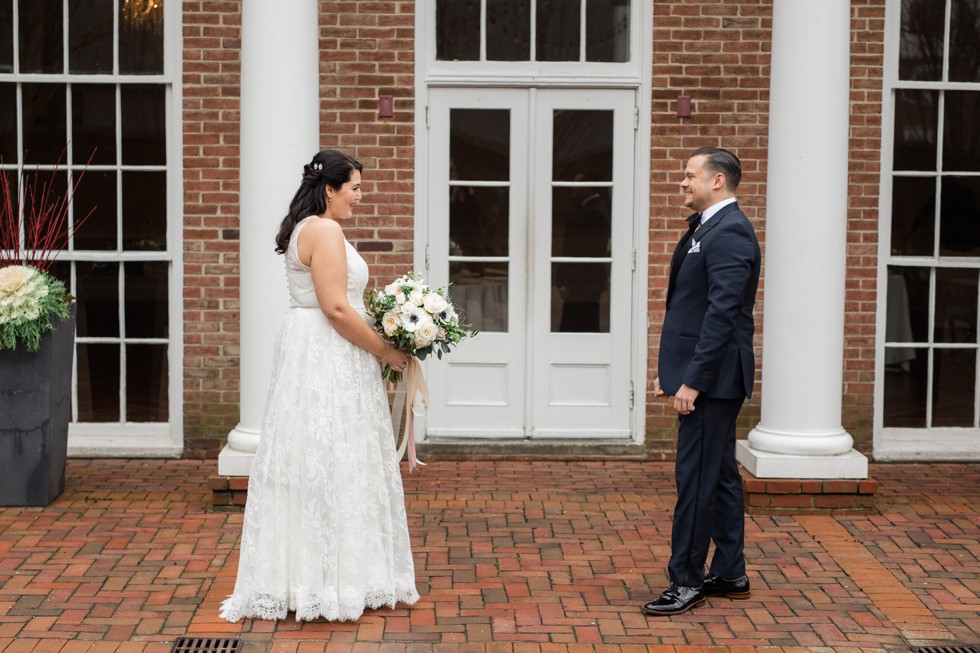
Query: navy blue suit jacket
[{"x": 706, "y": 340}]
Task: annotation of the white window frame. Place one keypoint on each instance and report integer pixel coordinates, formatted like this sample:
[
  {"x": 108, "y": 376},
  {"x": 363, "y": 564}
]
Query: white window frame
[
  {"x": 636, "y": 74},
  {"x": 164, "y": 439},
  {"x": 900, "y": 443}
]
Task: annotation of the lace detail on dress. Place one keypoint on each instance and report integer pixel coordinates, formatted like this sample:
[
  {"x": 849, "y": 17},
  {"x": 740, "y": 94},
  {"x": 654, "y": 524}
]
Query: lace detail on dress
[{"x": 325, "y": 531}]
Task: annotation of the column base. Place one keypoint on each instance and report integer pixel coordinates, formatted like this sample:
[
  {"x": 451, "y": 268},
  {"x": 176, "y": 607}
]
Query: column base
[
  {"x": 234, "y": 462},
  {"x": 228, "y": 492},
  {"x": 763, "y": 464}
]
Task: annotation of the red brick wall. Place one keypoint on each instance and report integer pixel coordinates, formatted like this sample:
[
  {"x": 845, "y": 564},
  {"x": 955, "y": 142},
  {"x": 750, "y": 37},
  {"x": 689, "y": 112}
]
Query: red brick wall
[
  {"x": 719, "y": 55},
  {"x": 367, "y": 49},
  {"x": 864, "y": 176},
  {"x": 212, "y": 42},
  {"x": 716, "y": 53}
]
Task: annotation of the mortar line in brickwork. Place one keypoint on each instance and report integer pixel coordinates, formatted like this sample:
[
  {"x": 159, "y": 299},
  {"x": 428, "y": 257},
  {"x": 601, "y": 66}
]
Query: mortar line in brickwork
[{"x": 887, "y": 592}]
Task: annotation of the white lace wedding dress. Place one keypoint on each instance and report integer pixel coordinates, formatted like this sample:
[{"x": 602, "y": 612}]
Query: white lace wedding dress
[{"x": 325, "y": 532}]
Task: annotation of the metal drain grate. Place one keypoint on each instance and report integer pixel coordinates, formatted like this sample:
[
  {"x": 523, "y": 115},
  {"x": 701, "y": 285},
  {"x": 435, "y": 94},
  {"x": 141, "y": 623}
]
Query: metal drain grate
[
  {"x": 946, "y": 649},
  {"x": 208, "y": 645}
]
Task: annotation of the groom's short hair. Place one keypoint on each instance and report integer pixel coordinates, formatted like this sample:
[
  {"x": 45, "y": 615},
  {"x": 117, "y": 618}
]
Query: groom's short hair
[{"x": 723, "y": 161}]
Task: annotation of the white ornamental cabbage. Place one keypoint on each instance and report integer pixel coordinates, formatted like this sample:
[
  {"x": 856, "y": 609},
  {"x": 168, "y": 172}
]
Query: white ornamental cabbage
[
  {"x": 29, "y": 301},
  {"x": 22, "y": 293}
]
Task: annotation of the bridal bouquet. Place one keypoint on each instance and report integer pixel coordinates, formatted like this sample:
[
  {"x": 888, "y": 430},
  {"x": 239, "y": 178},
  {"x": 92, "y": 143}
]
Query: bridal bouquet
[{"x": 416, "y": 319}]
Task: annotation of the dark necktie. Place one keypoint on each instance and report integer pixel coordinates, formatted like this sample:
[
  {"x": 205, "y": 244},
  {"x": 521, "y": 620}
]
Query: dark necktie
[{"x": 693, "y": 222}]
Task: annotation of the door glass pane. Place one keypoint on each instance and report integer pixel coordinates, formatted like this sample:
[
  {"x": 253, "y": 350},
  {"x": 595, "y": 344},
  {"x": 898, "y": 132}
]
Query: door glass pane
[
  {"x": 916, "y": 120},
  {"x": 97, "y": 290},
  {"x": 921, "y": 45},
  {"x": 954, "y": 385},
  {"x": 580, "y": 297},
  {"x": 98, "y": 382},
  {"x": 558, "y": 30},
  {"x": 961, "y": 130},
  {"x": 95, "y": 203},
  {"x": 40, "y": 36},
  {"x": 144, "y": 210},
  {"x": 478, "y": 221},
  {"x": 964, "y": 41},
  {"x": 457, "y": 30},
  {"x": 90, "y": 36},
  {"x": 582, "y": 145},
  {"x": 45, "y": 124},
  {"x": 6, "y": 36},
  {"x": 479, "y": 144},
  {"x": 581, "y": 223},
  {"x": 907, "y": 313},
  {"x": 509, "y": 30},
  {"x": 956, "y": 305},
  {"x": 905, "y": 390},
  {"x": 93, "y": 117},
  {"x": 959, "y": 217},
  {"x": 607, "y": 30},
  {"x": 8, "y": 122},
  {"x": 479, "y": 292},
  {"x": 143, "y": 125},
  {"x": 146, "y": 299},
  {"x": 913, "y": 216},
  {"x": 141, "y": 37},
  {"x": 146, "y": 383}
]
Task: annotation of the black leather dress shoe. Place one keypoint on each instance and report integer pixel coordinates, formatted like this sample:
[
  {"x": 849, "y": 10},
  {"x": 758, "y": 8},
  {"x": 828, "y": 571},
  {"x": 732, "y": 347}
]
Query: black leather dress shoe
[
  {"x": 675, "y": 600},
  {"x": 735, "y": 588}
]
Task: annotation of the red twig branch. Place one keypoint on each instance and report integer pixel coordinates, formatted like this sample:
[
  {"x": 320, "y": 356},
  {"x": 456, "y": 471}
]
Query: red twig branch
[{"x": 42, "y": 218}]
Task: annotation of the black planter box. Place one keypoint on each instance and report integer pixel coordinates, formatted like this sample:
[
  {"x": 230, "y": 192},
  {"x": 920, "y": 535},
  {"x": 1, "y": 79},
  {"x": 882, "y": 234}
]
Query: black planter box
[{"x": 35, "y": 407}]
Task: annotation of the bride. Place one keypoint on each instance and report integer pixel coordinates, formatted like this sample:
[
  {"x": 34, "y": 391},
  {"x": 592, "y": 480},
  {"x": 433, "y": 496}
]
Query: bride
[{"x": 325, "y": 532}]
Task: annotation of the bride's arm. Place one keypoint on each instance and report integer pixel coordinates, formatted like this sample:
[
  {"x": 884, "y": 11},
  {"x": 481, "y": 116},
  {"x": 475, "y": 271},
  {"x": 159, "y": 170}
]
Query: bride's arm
[{"x": 324, "y": 241}]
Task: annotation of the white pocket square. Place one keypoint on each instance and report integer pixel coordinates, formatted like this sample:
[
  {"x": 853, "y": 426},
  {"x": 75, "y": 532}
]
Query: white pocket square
[{"x": 695, "y": 248}]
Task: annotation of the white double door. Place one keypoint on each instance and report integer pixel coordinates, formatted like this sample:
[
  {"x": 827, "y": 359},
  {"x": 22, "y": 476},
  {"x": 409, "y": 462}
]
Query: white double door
[{"x": 530, "y": 217}]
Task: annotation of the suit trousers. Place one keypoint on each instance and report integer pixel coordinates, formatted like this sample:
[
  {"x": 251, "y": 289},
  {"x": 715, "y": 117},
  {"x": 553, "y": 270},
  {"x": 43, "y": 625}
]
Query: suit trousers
[{"x": 710, "y": 505}]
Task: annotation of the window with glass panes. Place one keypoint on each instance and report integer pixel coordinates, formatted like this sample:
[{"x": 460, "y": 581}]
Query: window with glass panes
[
  {"x": 533, "y": 30},
  {"x": 933, "y": 257},
  {"x": 84, "y": 100}
]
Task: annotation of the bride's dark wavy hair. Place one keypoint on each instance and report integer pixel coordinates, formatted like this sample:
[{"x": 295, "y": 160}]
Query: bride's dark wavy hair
[{"x": 328, "y": 168}]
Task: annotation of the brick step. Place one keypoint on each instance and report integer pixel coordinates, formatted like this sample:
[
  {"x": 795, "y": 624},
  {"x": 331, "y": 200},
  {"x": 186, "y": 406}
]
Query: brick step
[{"x": 808, "y": 496}]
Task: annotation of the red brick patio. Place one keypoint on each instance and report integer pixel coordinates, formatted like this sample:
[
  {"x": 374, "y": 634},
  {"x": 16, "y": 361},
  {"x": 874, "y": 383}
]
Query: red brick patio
[{"x": 511, "y": 557}]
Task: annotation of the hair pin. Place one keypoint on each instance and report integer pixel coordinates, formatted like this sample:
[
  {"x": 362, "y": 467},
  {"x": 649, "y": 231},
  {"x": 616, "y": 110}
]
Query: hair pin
[{"x": 318, "y": 166}]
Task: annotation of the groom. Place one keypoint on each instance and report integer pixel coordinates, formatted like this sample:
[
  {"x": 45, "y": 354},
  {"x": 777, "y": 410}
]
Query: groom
[{"x": 706, "y": 368}]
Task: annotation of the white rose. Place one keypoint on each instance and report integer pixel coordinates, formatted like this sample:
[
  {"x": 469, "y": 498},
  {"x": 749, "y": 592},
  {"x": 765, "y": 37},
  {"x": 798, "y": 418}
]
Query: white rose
[
  {"x": 400, "y": 299},
  {"x": 407, "y": 308},
  {"x": 390, "y": 322},
  {"x": 416, "y": 297},
  {"x": 425, "y": 333},
  {"x": 434, "y": 303}
]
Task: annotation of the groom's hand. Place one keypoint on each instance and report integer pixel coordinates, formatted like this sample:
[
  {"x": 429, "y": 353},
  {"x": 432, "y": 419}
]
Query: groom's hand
[
  {"x": 657, "y": 390},
  {"x": 684, "y": 399}
]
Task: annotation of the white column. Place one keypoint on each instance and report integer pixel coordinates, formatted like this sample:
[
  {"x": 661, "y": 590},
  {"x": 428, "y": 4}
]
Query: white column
[
  {"x": 280, "y": 131},
  {"x": 800, "y": 434}
]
